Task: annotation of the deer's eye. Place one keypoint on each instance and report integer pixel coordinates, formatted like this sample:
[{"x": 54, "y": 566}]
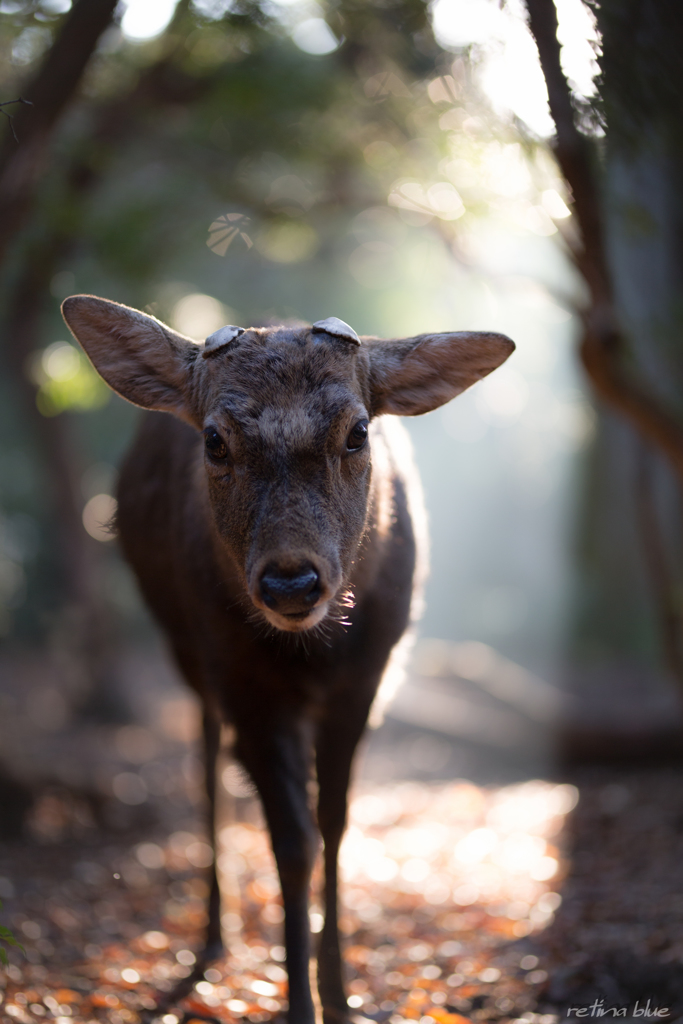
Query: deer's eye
[
  {"x": 358, "y": 436},
  {"x": 216, "y": 447}
]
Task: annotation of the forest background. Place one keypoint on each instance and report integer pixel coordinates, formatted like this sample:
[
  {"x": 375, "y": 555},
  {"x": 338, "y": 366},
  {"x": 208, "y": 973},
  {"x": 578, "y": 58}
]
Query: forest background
[
  {"x": 407, "y": 167},
  {"x": 395, "y": 164}
]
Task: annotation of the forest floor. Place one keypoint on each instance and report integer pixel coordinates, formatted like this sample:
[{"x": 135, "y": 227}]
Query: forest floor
[
  {"x": 536, "y": 901},
  {"x": 516, "y": 891}
]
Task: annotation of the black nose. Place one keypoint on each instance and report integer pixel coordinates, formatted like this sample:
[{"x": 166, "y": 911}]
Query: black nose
[{"x": 291, "y": 592}]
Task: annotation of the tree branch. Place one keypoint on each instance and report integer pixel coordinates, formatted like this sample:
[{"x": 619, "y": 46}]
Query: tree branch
[
  {"x": 11, "y": 117},
  {"x": 603, "y": 347},
  {"x": 655, "y": 556},
  {"x": 48, "y": 95}
]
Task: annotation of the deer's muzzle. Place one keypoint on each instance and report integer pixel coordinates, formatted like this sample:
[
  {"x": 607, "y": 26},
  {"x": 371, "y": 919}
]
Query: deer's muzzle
[{"x": 290, "y": 592}]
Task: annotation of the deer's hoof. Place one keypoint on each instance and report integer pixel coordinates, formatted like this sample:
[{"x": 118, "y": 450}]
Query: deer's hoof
[
  {"x": 212, "y": 951},
  {"x": 335, "y": 1015}
]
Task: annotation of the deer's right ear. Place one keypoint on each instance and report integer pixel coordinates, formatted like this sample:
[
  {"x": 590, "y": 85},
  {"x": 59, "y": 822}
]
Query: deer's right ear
[
  {"x": 139, "y": 357},
  {"x": 411, "y": 376}
]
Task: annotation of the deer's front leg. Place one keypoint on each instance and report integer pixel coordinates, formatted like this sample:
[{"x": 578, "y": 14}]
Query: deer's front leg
[
  {"x": 335, "y": 747},
  {"x": 214, "y": 941},
  {"x": 278, "y": 761}
]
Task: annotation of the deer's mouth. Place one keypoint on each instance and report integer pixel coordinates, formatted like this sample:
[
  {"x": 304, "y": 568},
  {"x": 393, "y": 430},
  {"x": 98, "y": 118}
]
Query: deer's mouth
[{"x": 296, "y": 622}]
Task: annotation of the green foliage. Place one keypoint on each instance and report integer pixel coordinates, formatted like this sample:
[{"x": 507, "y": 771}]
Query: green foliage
[
  {"x": 7, "y": 939},
  {"x": 221, "y": 160},
  {"x": 66, "y": 380}
]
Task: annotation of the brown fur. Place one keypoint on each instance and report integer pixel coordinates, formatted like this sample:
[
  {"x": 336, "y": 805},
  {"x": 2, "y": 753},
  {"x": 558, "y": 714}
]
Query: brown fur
[{"x": 206, "y": 538}]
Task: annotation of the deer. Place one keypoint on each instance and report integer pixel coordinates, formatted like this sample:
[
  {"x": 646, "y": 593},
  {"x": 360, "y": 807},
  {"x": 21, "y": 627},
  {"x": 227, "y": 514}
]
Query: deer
[{"x": 270, "y": 521}]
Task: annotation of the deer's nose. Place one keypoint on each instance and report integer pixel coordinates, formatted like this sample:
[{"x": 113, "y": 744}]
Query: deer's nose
[{"x": 290, "y": 592}]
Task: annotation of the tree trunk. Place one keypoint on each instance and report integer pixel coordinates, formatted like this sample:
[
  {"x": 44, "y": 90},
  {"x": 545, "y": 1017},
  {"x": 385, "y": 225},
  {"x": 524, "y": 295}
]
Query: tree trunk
[{"x": 23, "y": 162}]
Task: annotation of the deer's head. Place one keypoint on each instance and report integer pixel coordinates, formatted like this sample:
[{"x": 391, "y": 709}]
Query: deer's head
[{"x": 286, "y": 415}]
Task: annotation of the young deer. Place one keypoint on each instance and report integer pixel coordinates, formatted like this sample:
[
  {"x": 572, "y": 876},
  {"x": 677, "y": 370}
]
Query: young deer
[{"x": 268, "y": 521}]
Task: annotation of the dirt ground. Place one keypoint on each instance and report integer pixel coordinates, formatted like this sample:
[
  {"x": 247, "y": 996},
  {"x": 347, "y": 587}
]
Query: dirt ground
[
  {"x": 536, "y": 900},
  {"x": 481, "y": 882}
]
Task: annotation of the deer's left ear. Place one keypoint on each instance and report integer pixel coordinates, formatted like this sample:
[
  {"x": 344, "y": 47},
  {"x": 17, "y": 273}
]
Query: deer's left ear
[
  {"x": 415, "y": 375},
  {"x": 140, "y": 358}
]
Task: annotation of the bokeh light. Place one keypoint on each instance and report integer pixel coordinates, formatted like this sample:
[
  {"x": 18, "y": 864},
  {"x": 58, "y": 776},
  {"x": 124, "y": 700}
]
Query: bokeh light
[
  {"x": 145, "y": 19},
  {"x": 509, "y": 69}
]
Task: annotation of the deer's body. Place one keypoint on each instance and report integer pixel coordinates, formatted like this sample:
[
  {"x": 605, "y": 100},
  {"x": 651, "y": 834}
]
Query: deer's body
[
  {"x": 279, "y": 555},
  {"x": 230, "y": 657}
]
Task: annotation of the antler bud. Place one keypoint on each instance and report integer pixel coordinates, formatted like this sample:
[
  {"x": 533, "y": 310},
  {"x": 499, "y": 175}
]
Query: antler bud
[
  {"x": 220, "y": 338},
  {"x": 333, "y": 325}
]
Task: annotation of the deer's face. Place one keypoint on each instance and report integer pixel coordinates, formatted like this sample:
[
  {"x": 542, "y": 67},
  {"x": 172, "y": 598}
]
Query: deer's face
[
  {"x": 288, "y": 463},
  {"x": 285, "y": 416}
]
